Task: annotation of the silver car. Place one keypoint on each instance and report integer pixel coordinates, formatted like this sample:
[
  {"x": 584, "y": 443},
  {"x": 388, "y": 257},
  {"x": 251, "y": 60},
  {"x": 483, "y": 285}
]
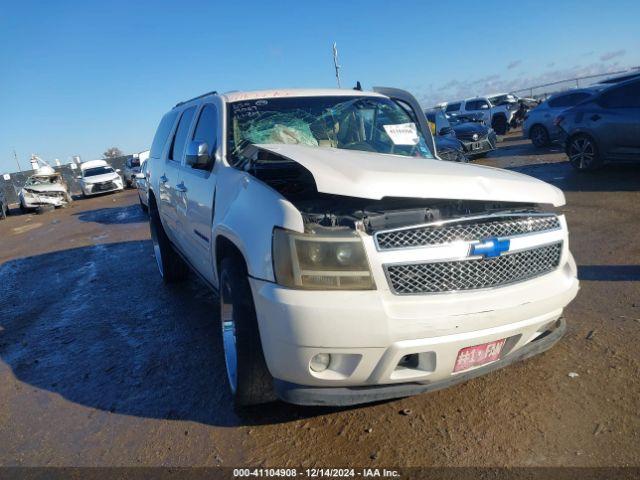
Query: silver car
[{"x": 539, "y": 123}]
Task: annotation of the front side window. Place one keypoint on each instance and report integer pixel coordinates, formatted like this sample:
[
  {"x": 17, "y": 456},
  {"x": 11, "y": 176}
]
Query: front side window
[
  {"x": 371, "y": 124},
  {"x": 180, "y": 138},
  {"x": 207, "y": 130}
]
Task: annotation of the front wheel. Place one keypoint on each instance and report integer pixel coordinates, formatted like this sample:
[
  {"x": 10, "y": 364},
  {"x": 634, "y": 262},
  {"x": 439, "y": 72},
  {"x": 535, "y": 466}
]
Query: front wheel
[
  {"x": 249, "y": 379},
  {"x": 583, "y": 153},
  {"x": 539, "y": 136},
  {"x": 499, "y": 124}
]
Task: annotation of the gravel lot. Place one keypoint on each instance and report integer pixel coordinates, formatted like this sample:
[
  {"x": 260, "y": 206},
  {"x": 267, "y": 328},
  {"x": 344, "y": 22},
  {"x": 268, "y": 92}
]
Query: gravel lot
[{"x": 102, "y": 365}]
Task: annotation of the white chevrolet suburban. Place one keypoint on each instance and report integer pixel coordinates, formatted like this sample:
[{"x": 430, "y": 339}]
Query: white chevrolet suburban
[{"x": 351, "y": 263}]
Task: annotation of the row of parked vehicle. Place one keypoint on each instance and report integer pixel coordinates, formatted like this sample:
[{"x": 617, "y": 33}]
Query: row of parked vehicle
[{"x": 595, "y": 125}]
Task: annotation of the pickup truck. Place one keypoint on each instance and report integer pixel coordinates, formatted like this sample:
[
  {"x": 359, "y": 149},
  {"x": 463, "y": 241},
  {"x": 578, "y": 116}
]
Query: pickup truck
[
  {"x": 498, "y": 116},
  {"x": 351, "y": 263}
]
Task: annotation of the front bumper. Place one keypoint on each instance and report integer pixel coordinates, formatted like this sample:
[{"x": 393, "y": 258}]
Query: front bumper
[
  {"x": 369, "y": 333},
  {"x": 344, "y": 396},
  {"x": 90, "y": 189},
  {"x": 485, "y": 145}
]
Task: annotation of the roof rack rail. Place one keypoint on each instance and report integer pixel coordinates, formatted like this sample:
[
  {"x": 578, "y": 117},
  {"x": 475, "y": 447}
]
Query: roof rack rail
[{"x": 214, "y": 92}]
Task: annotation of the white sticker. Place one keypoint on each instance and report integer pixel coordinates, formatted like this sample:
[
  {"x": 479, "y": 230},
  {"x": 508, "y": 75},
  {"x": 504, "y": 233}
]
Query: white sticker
[
  {"x": 6, "y": 176},
  {"x": 403, "y": 133}
]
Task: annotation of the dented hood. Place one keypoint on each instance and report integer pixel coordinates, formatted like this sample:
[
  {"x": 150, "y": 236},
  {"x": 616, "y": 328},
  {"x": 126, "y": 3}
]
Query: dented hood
[{"x": 355, "y": 173}]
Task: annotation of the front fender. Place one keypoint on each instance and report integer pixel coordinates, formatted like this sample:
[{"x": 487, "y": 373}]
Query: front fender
[{"x": 246, "y": 211}]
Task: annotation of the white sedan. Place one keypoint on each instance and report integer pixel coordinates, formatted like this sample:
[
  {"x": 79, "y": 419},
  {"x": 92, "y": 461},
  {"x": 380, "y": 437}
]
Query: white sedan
[{"x": 97, "y": 176}]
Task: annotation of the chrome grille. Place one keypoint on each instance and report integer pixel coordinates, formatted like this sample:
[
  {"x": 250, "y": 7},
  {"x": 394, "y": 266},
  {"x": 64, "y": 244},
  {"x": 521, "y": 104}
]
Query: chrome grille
[
  {"x": 473, "y": 274},
  {"x": 465, "y": 230}
]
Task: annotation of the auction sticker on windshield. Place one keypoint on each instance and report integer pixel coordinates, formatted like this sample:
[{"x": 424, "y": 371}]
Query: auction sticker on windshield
[
  {"x": 478, "y": 355},
  {"x": 403, "y": 133}
]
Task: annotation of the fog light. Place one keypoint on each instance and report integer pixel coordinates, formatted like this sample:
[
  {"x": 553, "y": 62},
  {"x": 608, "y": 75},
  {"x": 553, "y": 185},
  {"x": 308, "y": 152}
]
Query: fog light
[{"x": 320, "y": 362}]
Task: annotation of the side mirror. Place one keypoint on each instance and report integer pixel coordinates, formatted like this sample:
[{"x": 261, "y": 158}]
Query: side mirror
[
  {"x": 198, "y": 155},
  {"x": 118, "y": 170}
]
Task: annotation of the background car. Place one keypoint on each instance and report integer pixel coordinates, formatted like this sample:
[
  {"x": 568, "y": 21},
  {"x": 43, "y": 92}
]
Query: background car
[
  {"x": 142, "y": 182},
  {"x": 447, "y": 145},
  {"x": 498, "y": 116},
  {"x": 538, "y": 124},
  {"x": 131, "y": 168},
  {"x": 475, "y": 137},
  {"x": 46, "y": 189},
  {"x": 605, "y": 128},
  {"x": 97, "y": 176},
  {"x": 4, "y": 207}
]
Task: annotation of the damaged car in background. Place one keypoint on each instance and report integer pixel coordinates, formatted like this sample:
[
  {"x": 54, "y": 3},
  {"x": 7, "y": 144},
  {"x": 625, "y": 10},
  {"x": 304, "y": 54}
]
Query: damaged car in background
[
  {"x": 352, "y": 264},
  {"x": 45, "y": 188}
]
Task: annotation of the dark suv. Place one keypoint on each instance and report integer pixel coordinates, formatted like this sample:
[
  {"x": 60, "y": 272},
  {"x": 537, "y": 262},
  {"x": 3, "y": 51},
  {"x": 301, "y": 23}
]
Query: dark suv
[{"x": 605, "y": 128}]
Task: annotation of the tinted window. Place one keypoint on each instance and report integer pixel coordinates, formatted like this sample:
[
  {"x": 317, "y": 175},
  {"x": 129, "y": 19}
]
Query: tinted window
[
  {"x": 180, "y": 138},
  {"x": 626, "y": 96},
  {"x": 568, "y": 100},
  {"x": 207, "y": 129},
  {"x": 160, "y": 139},
  {"x": 476, "y": 105},
  {"x": 453, "y": 107}
]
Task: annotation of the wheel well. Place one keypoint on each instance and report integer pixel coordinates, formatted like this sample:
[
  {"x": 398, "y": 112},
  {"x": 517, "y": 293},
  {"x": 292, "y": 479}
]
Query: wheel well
[
  {"x": 499, "y": 116},
  {"x": 224, "y": 248}
]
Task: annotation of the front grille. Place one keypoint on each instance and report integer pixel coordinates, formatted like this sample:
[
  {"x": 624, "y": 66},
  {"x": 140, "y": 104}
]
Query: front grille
[
  {"x": 473, "y": 274},
  {"x": 466, "y": 230},
  {"x": 98, "y": 187},
  {"x": 468, "y": 137}
]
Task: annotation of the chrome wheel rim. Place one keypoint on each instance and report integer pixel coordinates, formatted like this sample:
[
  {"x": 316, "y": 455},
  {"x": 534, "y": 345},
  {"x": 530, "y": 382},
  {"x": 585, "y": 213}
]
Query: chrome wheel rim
[
  {"x": 582, "y": 153},
  {"x": 229, "y": 336}
]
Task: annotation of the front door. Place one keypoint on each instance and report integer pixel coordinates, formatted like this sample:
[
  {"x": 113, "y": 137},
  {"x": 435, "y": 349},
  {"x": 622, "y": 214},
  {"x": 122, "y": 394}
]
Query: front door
[{"x": 199, "y": 184}]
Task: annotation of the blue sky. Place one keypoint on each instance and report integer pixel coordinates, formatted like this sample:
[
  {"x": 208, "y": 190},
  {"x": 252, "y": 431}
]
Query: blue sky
[{"x": 81, "y": 76}]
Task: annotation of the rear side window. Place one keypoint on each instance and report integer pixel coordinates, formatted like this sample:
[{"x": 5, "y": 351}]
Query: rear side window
[
  {"x": 453, "y": 107},
  {"x": 626, "y": 96},
  {"x": 207, "y": 129},
  {"x": 568, "y": 100},
  {"x": 180, "y": 138},
  {"x": 160, "y": 138}
]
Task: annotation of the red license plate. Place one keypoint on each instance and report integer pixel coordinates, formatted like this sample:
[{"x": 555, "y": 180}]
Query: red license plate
[{"x": 470, "y": 357}]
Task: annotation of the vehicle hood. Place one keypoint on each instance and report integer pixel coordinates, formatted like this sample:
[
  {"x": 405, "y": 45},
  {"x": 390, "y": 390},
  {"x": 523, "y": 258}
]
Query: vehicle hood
[
  {"x": 53, "y": 187},
  {"x": 105, "y": 177},
  {"x": 470, "y": 128},
  {"x": 446, "y": 142},
  {"x": 375, "y": 175}
]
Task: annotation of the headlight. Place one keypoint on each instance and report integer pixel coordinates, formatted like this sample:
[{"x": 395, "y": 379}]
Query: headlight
[{"x": 321, "y": 261}]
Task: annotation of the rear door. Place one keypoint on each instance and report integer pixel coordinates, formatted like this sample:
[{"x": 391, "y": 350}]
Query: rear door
[
  {"x": 171, "y": 200},
  {"x": 617, "y": 122},
  {"x": 199, "y": 184}
]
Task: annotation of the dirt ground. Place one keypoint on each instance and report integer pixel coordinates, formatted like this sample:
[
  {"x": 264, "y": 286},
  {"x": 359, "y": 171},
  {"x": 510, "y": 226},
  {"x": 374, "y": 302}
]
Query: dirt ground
[{"x": 103, "y": 365}]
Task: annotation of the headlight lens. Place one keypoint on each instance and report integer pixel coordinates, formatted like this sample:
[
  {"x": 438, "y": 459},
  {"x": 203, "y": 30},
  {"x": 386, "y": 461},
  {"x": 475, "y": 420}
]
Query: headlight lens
[{"x": 321, "y": 260}]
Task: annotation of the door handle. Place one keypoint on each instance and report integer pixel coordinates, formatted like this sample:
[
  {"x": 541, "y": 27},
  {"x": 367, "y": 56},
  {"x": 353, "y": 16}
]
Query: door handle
[
  {"x": 163, "y": 179},
  {"x": 181, "y": 188},
  {"x": 595, "y": 117}
]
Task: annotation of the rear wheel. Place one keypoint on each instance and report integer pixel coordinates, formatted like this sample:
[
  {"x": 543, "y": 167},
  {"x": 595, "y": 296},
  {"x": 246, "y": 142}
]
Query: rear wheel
[
  {"x": 142, "y": 205},
  {"x": 171, "y": 267},
  {"x": 583, "y": 153},
  {"x": 499, "y": 124},
  {"x": 3, "y": 211},
  {"x": 249, "y": 379},
  {"x": 539, "y": 136}
]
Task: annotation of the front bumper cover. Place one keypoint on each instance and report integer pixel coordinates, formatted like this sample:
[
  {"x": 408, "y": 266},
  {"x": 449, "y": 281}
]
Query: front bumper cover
[{"x": 345, "y": 396}]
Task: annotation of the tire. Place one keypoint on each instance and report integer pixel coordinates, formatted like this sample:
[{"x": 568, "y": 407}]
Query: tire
[
  {"x": 583, "y": 153},
  {"x": 3, "y": 211},
  {"x": 248, "y": 377},
  {"x": 539, "y": 136},
  {"x": 171, "y": 267},
  {"x": 144, "y": 207},
  {"x": 499, "y": 124}
]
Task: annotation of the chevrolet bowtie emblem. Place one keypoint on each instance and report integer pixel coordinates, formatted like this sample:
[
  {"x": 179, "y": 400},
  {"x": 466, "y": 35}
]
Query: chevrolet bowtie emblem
[{"x": 489, "y": 247}]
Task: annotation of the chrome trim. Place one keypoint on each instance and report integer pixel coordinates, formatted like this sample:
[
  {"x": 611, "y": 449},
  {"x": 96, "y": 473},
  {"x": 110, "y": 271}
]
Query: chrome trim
[
  {"x": 477, "y": 257},
  {"x": 440, "y": 223}
]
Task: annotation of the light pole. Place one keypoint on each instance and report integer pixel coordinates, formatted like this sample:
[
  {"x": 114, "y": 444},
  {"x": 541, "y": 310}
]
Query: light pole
[{"x": 335, "y": 63}]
